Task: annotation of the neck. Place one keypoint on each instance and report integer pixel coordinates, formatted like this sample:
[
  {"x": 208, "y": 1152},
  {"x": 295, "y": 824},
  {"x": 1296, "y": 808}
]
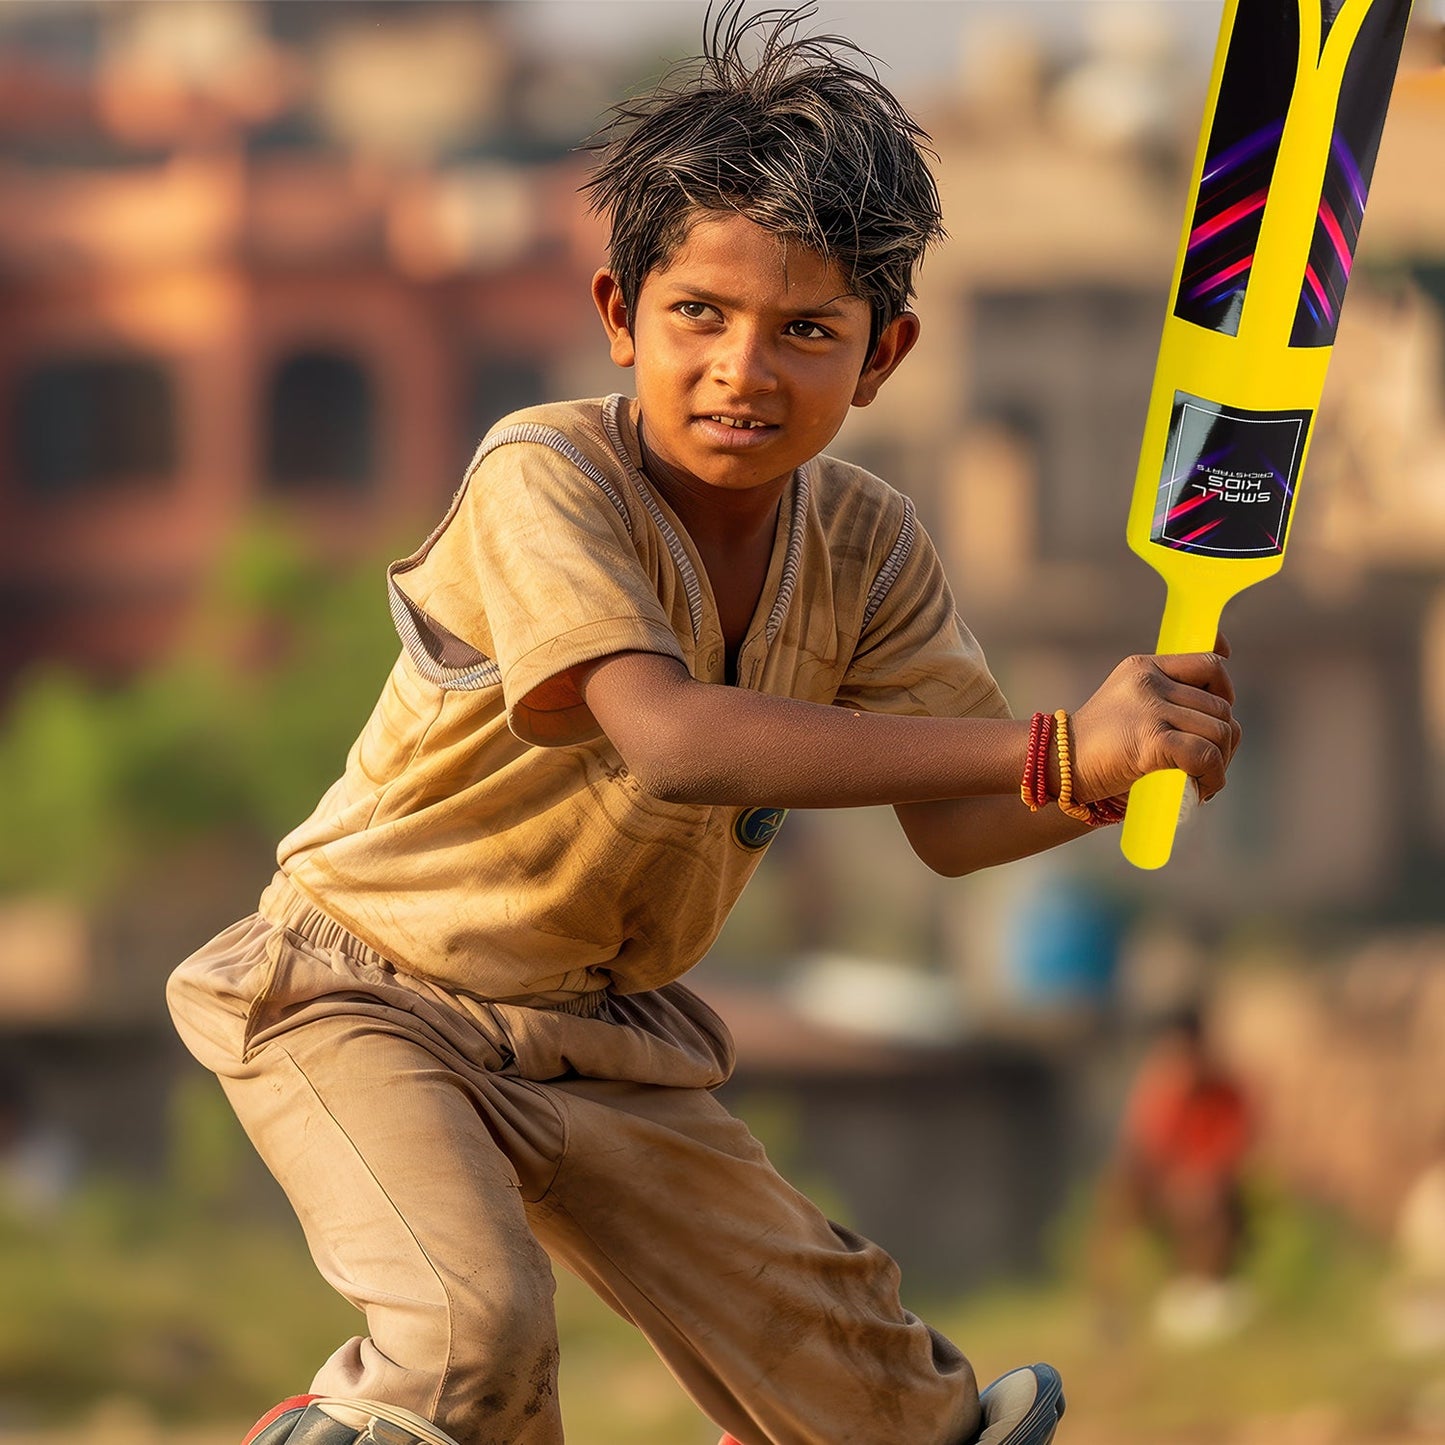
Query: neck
[{"x": 714, "y": 514}]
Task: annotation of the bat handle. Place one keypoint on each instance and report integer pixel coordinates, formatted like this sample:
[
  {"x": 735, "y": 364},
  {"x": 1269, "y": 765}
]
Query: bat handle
[{"x": 1191, "y": 624}]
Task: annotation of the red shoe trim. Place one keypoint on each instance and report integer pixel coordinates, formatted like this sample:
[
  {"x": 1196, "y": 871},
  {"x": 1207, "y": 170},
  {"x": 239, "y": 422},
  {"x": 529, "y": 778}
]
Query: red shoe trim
[{"x": 296, "y": 1402}]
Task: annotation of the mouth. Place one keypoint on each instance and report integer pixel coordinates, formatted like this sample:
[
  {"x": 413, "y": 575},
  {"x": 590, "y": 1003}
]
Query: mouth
[{"x": 740, "y": 423}]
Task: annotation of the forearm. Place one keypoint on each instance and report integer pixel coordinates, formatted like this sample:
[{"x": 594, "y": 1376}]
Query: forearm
[
  {"x": 697, "y": 742},
  {"x": 689, "y": 741}
]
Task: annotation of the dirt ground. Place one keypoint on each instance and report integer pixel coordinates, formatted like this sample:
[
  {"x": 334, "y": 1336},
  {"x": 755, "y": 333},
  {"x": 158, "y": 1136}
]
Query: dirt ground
[
  {"x": 126, "y": 1422},
  {"x": 1305, "y": 1428}
]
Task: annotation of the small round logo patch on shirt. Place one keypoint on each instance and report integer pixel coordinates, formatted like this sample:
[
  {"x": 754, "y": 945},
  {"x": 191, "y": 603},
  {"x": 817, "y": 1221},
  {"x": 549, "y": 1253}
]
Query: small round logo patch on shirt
[{"x": 756, "y": 827}]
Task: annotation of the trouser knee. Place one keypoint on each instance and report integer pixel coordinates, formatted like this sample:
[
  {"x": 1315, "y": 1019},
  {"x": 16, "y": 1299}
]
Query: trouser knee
[{"x": 493, "y": 1393}]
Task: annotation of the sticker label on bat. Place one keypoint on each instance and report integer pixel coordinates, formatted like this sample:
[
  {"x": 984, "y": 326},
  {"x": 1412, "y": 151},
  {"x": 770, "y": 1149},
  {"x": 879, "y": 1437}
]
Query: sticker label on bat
[{"x": 1229, "y": 477}]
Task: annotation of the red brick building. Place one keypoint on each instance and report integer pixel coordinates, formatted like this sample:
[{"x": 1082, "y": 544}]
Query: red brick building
[{"x": 295, "y": 255}]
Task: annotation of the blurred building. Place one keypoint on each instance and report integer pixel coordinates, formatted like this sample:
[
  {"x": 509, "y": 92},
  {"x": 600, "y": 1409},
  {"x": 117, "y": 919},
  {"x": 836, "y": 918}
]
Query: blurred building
[
  {"x": 1064, "y": 185},
  {"x": 299, "y": 255},
  {"x": 286, "y": 255}
]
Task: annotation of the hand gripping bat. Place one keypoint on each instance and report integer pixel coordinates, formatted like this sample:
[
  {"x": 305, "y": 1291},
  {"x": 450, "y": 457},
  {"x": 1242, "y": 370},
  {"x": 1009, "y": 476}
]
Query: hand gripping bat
[{"x": 1296, "y": 106}]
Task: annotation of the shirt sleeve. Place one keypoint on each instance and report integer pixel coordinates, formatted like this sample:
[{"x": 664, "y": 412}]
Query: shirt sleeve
[
  {"x": 536, "y": 569},
  {"x": 915, "y": 656}
]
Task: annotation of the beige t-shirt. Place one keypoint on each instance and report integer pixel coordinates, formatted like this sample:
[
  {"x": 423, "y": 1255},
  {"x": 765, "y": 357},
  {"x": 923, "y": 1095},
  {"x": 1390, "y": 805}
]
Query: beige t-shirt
[{"x": 485, "y": 835}]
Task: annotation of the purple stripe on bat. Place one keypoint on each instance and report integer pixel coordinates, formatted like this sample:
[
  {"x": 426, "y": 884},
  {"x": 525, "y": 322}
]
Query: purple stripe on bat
[
  {"x": 1240, "y": 151},
  {"x": 1349, "y": 169}
]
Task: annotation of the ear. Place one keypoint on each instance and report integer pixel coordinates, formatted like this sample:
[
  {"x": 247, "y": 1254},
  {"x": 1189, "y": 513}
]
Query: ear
[
  {"x": 893, "y": 345},
  {"x": 607, "y": 295}
]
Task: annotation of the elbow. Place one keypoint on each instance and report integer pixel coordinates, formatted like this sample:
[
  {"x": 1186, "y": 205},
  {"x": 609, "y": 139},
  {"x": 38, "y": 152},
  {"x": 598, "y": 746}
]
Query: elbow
[
  {"x": 957, "y": 852},
  {"x": 667, "y": 784},
  {"x": 949, "y": 866},
  {"x": 665, "y": 727},
  {"x": 941, "y": 840},
  {"x": 940, "y": 856},
  {"x": 660, "y": 768},
  {"x": 673, "y": 786},
  {"x": 656, "y": 739},
  {"x": 961, "y": 860}
]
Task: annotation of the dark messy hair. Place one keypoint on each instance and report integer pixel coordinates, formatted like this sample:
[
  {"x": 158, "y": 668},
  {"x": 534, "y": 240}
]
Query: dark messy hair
[{"x": 801, "y": 140}]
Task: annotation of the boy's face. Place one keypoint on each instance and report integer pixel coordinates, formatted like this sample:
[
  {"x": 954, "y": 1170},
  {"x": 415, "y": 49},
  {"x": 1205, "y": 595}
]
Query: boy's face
[{"x": 749, "y": 350}]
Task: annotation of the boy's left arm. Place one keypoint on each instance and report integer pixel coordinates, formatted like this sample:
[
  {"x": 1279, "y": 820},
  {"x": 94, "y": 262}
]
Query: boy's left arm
[{"x": 954, "y": 836}]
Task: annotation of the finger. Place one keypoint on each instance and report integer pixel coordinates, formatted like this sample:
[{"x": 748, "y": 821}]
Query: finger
[
  {"x": 1187, "y": 698},
  {"x": 1204, "y": 670},
  {"x": 1217, "y": 731},
  {"x": 1198, "y": 741},
  {"x": 1227, "y": 743},
  {"x": 1202, "y": 758}
]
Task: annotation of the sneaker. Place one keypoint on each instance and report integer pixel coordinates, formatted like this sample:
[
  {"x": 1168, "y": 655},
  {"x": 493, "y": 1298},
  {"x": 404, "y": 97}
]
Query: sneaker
[
  {"x": 323, "y": 1420},
  {"x": 1022, "y": 1407},
  {"x": 276, "y": 1424}
]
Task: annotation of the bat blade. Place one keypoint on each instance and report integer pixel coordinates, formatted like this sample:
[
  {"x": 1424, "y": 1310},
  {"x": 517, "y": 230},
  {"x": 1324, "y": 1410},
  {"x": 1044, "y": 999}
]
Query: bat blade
[{"x": 1296, "y": 107}]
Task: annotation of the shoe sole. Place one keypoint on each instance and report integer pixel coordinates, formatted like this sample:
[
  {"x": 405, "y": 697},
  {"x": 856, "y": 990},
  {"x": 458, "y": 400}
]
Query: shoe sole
[{"x": 1038, "y": 1426}]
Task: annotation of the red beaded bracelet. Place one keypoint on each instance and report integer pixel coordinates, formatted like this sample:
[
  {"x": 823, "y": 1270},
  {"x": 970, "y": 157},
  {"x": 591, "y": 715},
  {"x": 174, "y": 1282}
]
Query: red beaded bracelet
[{"x": 1034, "y": 788}]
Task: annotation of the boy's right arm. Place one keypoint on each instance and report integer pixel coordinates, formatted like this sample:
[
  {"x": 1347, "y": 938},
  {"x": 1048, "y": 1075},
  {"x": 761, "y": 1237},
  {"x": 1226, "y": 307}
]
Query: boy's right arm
[{"x": 690, "y": 741}]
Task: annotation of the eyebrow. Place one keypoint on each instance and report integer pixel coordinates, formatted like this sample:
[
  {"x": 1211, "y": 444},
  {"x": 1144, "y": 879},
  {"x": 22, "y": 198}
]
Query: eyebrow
[{"x": 828, "y": 310}]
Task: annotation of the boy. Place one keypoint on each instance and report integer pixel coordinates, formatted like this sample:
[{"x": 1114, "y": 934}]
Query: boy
[{"x": 646, "y": 628}]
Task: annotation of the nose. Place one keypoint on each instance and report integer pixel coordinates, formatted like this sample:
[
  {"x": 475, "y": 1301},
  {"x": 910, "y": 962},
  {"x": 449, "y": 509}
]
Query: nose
[{"x": 744, "y": 362}]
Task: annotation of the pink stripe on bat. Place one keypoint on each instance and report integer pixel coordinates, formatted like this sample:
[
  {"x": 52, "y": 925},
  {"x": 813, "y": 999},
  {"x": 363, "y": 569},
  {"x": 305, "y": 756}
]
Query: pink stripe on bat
[
  {"x": 1220, "y": 277},
  {"x": 1228, "y": 217},
  {"x": 1177, "y": 512},
  {"x": 1332, "y": 226},
  {"x": 1200, "y": 531},
  {"x": 1317, "y": 287}
]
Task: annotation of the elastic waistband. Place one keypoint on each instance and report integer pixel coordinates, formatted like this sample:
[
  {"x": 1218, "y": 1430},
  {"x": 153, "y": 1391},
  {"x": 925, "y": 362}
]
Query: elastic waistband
[{"x": 284, "y": 906}]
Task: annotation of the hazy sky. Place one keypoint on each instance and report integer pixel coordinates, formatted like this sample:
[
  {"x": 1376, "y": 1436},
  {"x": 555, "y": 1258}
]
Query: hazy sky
[{"x": 917, "y": 40}]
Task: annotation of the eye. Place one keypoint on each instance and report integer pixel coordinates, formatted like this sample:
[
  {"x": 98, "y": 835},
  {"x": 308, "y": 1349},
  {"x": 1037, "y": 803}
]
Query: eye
[
  {"x": 807, "y": 330},
  {"x": 694, "y": 310}
]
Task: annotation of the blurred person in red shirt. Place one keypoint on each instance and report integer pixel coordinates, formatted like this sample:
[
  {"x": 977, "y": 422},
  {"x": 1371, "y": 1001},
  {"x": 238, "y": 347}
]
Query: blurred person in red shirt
[{"x": 1178, "y": 1170}]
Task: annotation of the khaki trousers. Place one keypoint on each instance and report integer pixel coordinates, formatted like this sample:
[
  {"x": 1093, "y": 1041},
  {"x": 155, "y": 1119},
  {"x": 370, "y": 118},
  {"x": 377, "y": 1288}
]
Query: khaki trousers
[{"x": 438, "y": 1150}]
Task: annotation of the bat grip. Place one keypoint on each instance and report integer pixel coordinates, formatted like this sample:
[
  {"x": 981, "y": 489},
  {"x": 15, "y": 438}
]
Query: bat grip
[{"x": 1191, "y": 624}]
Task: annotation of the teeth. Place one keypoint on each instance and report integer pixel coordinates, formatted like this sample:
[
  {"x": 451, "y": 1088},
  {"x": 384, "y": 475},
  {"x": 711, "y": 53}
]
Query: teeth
[{"x": 739, "y": 424}]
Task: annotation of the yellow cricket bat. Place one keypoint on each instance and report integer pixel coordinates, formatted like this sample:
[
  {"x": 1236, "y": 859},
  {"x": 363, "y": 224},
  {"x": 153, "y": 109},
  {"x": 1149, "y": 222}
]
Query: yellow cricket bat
[{"x": 1297, "y": 102}]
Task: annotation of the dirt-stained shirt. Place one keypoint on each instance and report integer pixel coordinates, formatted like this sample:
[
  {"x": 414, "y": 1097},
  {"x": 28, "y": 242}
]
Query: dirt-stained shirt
[{"x": 485, "y": 835}]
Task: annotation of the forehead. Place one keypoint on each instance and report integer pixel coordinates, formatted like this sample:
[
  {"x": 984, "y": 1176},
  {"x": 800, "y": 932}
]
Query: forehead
[{"x": 732, "y": 255}]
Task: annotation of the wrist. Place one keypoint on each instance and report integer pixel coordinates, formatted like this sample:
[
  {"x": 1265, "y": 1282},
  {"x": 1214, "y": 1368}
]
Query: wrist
[{"x": 1096, "y": 814}]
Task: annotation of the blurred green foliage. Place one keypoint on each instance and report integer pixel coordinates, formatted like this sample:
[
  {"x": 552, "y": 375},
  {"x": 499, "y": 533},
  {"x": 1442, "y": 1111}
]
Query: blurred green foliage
[
  {"x": 237, "y": 733},
  {"x": 191, "y": 1301}
]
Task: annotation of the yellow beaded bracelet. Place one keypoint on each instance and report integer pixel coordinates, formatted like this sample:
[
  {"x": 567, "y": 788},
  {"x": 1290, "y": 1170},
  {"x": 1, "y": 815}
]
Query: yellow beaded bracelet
[{"x": 1096, "y": 815}]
